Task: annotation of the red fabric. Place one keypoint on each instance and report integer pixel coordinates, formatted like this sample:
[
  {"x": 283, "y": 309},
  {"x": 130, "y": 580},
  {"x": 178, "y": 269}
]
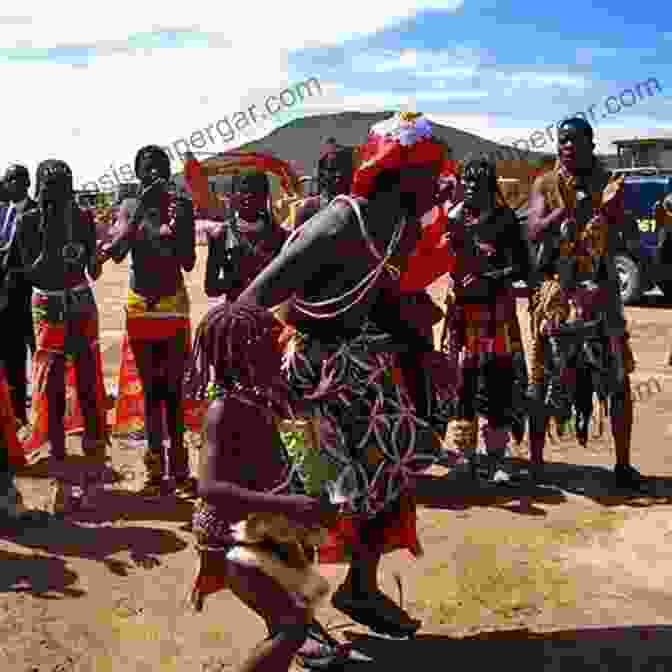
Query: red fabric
[
  {"x": 155, "y": 329},
  {"x": 432, "y": 257},
  {"x": 8, "y": 425},
  {"x": 50, "y": 337},
  {"x": 197, "y": 182},
  {"x": 397, "y": 376},
  {"x": 449, "y": 167},
  {"x": 129, "y": 412},
  {"x": 266, "y": 163},
  {"x": 382, "y": 153},
  {"x": 397, "y": 532}
]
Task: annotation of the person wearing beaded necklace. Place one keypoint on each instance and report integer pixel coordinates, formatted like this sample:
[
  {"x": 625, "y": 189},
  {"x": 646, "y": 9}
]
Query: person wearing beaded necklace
[
  {"x": 158, "y": 230},
  {"x": 240, "y": 247},
  {"x": 334, "y": 175},
  {"x": 482, "y": 325},
  {"x": 57, "y": 242},
  {"x": 340, "y": 364},
  {"x": 255, "y": 529}
]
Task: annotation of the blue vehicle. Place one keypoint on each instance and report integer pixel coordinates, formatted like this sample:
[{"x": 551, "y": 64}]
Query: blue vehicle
[{"x": 644, "y": 258}]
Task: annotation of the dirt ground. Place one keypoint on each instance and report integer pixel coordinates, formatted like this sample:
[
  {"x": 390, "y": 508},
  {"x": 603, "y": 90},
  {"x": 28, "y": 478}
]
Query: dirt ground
[{"x": 573, "y": 574}]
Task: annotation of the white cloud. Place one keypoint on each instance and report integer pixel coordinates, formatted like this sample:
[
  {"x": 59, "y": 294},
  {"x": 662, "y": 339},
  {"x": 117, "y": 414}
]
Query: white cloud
[
  {"x": 276, "y": 23},
  {"x": 124, "y": 101},
  {"x": 458, "y": 62},
  {"x": 408, "y": 60},
  {"x": 96, "y": 117},
  {"x": 544, "y": 80},
  {"x": 461, "y": 62}
]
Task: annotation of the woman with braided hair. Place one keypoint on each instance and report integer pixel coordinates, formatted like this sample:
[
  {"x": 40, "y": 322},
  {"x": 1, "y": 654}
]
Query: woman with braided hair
[
  {"x": 158, "y": 231},
  {"x": 484, "y": 338},
  {"x": 57, "y": 242},
  {"x": 255, "y": 529}
]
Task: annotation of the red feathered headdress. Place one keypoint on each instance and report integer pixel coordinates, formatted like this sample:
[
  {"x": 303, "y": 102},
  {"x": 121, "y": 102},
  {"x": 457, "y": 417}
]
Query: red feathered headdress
[{"x": 404, "y": 140}]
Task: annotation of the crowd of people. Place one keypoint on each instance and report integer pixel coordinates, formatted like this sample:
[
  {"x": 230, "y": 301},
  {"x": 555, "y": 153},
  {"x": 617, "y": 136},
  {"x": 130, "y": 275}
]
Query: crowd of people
[{"x": 324, "y": 319}]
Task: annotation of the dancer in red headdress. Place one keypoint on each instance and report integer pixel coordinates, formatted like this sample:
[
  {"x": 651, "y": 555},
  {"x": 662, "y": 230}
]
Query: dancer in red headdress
[{"x": 348, "y": 340}]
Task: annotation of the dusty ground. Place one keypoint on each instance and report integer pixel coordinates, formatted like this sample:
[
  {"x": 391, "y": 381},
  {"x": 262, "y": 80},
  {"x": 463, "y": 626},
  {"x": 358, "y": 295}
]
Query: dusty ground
[{"x": 543, "y": 578}]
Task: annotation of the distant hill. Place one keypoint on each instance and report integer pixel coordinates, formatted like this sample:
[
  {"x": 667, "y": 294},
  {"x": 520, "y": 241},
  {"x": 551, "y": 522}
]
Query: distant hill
[{"x": 300, "y": 140}]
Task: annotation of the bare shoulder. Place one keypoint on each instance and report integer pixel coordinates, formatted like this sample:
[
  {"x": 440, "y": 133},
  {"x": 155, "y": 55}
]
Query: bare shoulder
[
  {"x": 332, "y": 222},
  {"x": 344, "y": 215}
]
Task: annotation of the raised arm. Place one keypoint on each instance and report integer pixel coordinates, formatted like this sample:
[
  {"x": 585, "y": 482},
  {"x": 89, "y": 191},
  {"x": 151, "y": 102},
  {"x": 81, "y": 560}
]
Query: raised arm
[{"x": 127, "y": 227}]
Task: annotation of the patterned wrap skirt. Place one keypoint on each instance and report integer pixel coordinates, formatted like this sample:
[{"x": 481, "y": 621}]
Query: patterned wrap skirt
[
  {"x": 366, "y": 443},
  {"x": 66, "y": 324},
  {"x": 484, "y": 344},
  {"x": 577, "y": 356},
  {"x": 165, "y": 320}
]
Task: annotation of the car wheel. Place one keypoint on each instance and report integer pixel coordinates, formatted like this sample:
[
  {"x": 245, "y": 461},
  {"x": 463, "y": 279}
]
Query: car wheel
[{"x": 629, "y": 278}]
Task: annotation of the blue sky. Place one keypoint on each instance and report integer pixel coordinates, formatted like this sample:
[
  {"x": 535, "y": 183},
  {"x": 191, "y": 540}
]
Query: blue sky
[{"x": 116, "y": 78}]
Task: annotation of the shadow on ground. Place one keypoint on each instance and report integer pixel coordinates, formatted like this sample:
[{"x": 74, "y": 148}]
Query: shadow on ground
[
  {"x": 622, "y": 649},
  {"x": 457, "y": 491},
  {"x": 144, "y": 545},
  {"x": 41, "y": 576},
  {"x": 597, "y": 483},
  {"x": 115, "y": 506},
  {"x": 71, "y": 468},
  {"x": 654, "y": 301}
]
